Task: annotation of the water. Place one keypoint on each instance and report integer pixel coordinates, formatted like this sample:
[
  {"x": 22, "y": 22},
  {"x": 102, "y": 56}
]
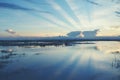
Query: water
[{"x": 99, "y": 61}]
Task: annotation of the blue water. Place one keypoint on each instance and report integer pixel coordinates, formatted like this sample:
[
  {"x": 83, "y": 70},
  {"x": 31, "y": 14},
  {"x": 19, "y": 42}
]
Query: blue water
[{"x": 99, "y": 61}]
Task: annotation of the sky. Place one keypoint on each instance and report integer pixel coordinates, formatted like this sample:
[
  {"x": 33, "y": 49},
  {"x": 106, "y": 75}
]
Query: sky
[{"x": 58, "y": 17}]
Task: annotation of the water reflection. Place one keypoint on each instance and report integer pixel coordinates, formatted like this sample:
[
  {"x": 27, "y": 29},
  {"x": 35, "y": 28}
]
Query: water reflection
[
  {"x": 99, "y": 61},
  {"x": 3, "y": 63},
  {"x": 108, "y": 47},
  {"x": 7, "y": 58},
  {"x": 111, "y": 48},
  {"x": 116, "y": 60}
]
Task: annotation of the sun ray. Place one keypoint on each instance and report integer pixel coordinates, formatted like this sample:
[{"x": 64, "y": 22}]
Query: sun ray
[
  {"x": 85, "y": 20},
  {"x": 62, "y": 12},
  {"x": 52, "y": 21},
  {"x": 71, "y": 4}
]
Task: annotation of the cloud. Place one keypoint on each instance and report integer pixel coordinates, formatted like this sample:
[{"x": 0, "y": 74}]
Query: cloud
[
  {"x": 17, "y": 7},
  {"x": 10, "y": 31},
  {"x": 34, "y": 2},
  {"x": 89, "y": 33},
  {"x": 13, "y": 6},
  {"x": 93, "y": 3},
  {"x": 74, "y": 34},
  {"x": 117, "y": 12},
  {"x": 115, "y": 27},
  {"x": 116, "y": 1}
]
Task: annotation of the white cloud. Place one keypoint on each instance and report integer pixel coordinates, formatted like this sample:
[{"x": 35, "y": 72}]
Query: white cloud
[{"x": 10, "y": 31}]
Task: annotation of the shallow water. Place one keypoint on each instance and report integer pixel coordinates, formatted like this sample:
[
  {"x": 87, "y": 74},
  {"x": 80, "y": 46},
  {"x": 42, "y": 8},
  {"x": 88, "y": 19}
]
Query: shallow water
[{"x": 99, "y": 61}]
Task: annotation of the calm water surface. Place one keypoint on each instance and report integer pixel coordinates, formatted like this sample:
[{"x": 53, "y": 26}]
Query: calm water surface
[{"x": 99, "y": 61}]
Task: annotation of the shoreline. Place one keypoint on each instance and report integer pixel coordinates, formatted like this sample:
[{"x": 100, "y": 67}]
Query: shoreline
[{"x": 50, "y": 42}]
